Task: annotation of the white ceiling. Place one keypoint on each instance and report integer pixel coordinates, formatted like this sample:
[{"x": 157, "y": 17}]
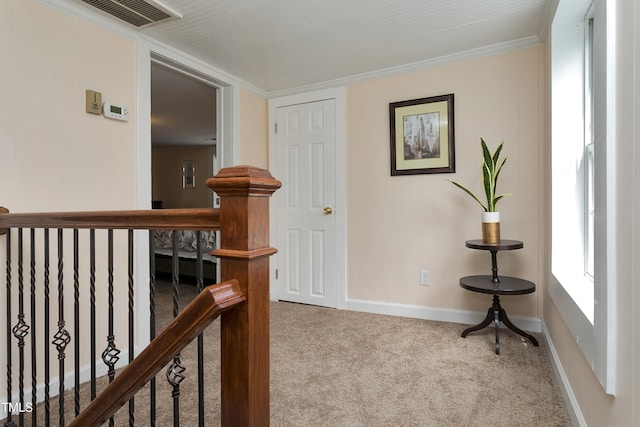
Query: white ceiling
[
  {"x": 277, "y": 45},
  {"x": 286, "y": 45}
]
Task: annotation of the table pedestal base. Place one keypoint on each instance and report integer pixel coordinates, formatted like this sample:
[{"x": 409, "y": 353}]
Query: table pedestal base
[{"x": 497, "y": 314}]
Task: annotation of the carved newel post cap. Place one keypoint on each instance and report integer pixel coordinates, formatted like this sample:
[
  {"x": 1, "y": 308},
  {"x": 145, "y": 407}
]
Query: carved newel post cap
[{"x": 243, "y": 180}]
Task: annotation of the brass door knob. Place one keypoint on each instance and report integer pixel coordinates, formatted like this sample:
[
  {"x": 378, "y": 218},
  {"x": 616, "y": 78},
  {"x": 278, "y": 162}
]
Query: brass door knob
[{"x": 327, "y": 210}]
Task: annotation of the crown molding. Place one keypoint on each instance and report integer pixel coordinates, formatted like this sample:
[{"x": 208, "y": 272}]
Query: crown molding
[
  {"x": 466, "y": 55},
  {"x": 76, "y": 9}
]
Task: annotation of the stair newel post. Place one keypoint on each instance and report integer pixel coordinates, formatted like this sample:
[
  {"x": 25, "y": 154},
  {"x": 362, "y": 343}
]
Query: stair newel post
[{"x": 244, "y": 252}]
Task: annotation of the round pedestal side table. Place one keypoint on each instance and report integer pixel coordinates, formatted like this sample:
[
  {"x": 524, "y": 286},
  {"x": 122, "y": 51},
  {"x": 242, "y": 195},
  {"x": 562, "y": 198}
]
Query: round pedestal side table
[{"x": 496, "y": 286}]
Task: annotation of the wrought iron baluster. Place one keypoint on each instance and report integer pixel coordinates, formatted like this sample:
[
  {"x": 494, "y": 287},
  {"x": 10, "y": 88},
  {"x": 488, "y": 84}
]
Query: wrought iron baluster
[
  {"x": 131, "y": 313},
  {"x": 21, "y": 329},
  {"x": 176, "y": 369},
  {"x": 152, "y": 321},
  {"x": 199, "y": 264},
  {"x": 9, "y": 422},
  {"x": 175, "y": 376},
  {"x": 62, "y": 338},
  {"x": 92, "y": 309},
  {"x": 175, "y": 272},
  {"x": 34, "y": 364},
  {"x": 199, "y": 287},
  {"x": 47, "y": 369},
  {"x": 76, "y": 320},
  {"x": 110, "y": 354}
]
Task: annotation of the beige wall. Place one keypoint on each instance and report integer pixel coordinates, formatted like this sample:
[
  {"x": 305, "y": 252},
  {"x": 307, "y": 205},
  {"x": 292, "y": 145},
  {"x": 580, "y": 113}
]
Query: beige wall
[
  {"x": 254, "y": 146},
  {"x": 55, "y": 156},
  {"x": 52, "y": 150},
  {"x": 167, "y": 176},
  {"x": 400, "y": 224}
]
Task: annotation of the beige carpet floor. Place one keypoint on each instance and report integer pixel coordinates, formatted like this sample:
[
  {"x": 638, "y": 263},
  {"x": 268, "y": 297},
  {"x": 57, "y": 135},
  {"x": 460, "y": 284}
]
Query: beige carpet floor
[{"x": 340, "y": 368}]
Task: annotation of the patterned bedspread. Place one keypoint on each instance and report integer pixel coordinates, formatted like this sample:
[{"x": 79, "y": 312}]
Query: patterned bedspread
[{"x": 187, "y": 243}]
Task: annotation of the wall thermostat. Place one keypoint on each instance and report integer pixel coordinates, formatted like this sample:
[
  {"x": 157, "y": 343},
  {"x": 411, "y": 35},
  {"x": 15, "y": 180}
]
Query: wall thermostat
[{"x": 114, "y": 111}]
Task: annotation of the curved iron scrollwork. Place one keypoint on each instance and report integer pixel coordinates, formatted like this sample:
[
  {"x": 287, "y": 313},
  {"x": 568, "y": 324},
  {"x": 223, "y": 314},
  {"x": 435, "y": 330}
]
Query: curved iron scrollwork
[
  {"x": 175, "y": 371},
  {"x": 61, "y": 339},
  {"x": 110, "y": 354},
  {"x": 20, "y": 330}
]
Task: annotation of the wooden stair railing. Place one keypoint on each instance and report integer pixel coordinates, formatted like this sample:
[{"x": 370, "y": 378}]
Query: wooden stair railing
[
  {"x": 243, "y": 221},
  {"x": 204, "y": 309},
  {"x": 160, "y": 219}
]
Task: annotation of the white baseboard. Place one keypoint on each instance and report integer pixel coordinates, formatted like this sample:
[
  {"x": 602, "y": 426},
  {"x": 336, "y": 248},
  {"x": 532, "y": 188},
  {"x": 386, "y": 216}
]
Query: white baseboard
[
  {"x": 577, "y": 419},
  {"x": 464, "y": 317}
]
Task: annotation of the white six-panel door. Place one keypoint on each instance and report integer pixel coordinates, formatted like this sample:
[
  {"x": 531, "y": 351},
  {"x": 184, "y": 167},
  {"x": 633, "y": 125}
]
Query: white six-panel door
[{"x": 306, "y": 144}]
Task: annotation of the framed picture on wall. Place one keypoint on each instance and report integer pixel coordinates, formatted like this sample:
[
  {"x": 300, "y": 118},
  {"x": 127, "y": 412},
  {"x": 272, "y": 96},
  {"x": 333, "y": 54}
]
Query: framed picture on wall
[
  {"x": 422, "y": 136},
  {"x": 189, "y": 174}
]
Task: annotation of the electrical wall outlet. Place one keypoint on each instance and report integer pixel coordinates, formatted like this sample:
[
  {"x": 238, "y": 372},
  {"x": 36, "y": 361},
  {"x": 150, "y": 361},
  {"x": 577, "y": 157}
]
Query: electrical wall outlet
[{"x": 425, "y": 278}]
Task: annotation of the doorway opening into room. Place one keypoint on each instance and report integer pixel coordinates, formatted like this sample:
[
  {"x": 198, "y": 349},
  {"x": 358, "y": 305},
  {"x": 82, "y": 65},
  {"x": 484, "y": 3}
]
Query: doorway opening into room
[
  {"x": 184, "y": 136},
  {"x": 184, "y": 154}
]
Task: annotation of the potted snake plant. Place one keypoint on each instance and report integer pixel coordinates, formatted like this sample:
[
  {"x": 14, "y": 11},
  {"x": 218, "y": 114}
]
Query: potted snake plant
[{"x": 491, "y": 168}]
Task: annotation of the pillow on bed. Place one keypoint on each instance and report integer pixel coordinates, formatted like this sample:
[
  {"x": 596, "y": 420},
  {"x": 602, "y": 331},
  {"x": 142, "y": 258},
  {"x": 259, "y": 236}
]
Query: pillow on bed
[
  {"x": 162, "y": 239},
  {"x": 186, "y": 240}
]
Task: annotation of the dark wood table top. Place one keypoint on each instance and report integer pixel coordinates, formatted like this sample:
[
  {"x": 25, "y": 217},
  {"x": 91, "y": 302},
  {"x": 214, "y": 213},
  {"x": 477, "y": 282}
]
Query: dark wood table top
[
  {"x": 502, "y": 245},
  {"x": 505, "y": 286}
]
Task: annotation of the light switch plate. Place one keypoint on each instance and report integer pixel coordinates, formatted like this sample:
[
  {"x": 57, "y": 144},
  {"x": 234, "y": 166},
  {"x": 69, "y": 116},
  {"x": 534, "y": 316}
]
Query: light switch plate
[{"x": 93, "y": 102}]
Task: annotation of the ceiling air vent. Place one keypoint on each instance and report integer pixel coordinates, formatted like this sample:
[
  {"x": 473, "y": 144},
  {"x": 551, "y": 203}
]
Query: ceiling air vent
[{"x": 138, "y": 13}]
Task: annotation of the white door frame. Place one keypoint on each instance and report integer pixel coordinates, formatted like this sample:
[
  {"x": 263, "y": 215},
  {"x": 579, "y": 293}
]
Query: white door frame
[
  {"x": 228, "y": 129},
  {"x": 339, "y": 94}
]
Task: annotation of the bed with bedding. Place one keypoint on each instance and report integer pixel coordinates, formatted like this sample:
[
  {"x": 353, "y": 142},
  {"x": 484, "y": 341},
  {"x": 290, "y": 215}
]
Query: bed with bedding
[{"x": 187, "y": 253}]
